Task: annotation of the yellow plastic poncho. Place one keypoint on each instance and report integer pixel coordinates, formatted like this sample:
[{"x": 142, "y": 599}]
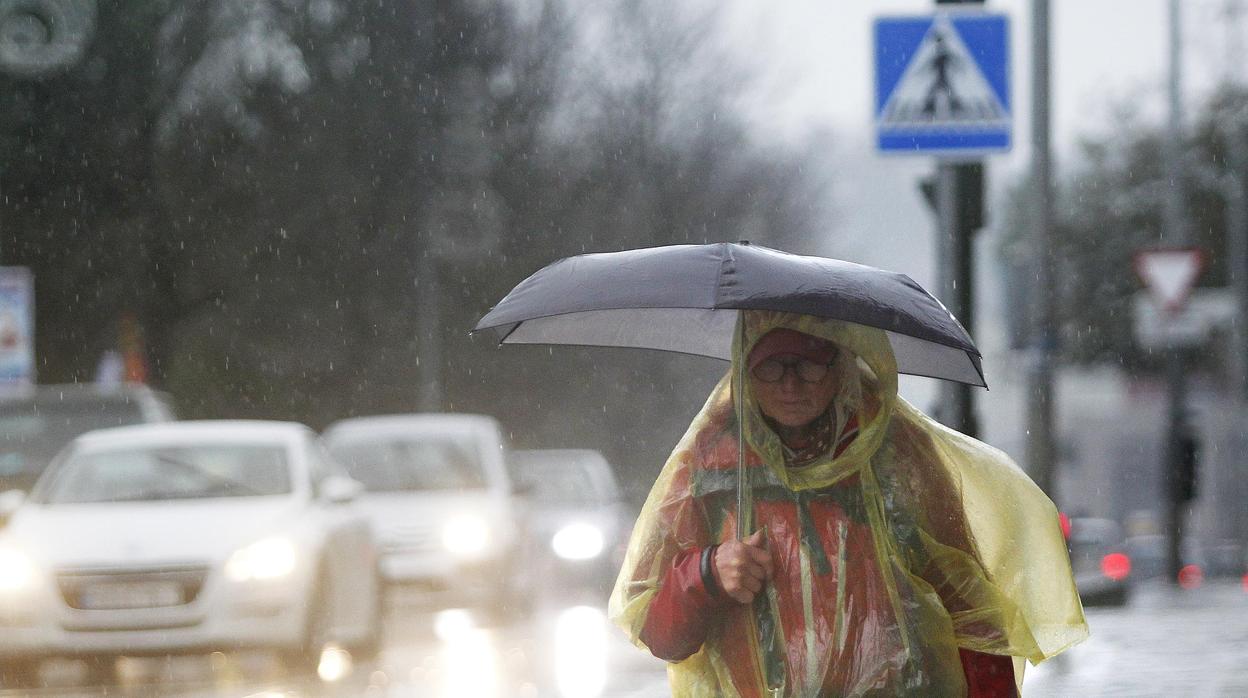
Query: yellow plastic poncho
[{"x": 913, "y": 542}]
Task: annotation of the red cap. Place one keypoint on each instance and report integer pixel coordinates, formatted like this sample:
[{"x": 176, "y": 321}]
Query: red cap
[{"x": 783, "y": 341}]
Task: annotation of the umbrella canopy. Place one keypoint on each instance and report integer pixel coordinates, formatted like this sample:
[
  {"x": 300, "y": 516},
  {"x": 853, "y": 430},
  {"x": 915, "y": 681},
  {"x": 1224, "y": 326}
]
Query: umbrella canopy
[{"x": 685, "y": 298}]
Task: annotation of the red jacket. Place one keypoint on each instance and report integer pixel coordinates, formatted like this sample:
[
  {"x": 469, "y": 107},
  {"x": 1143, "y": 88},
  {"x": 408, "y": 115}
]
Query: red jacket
[{"x": 684, "y": 612}]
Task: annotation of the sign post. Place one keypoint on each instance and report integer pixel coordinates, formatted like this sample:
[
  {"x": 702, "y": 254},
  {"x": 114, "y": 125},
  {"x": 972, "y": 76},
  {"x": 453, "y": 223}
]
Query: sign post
[
  {"x": 1170, "y": 274},
  {"x": 942, "y": 89}
]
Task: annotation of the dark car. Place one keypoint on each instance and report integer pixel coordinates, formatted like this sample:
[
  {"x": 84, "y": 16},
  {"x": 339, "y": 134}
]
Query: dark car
[
  {"x": 36, "y": 423},
  {"x": 1225, "y": 557},
  {"x": 1150, "y": 557},
  {"x": 578, "y": 517},
  {"x": 1101, "y": 563}
]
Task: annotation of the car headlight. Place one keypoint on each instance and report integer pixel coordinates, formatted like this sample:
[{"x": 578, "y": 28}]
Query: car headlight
[
  {"x": 467, "y": 536},
  {"x": 269, "y": 558},
  {"x": 17, "y": 570},
  {"x": 578, "y": 541}
]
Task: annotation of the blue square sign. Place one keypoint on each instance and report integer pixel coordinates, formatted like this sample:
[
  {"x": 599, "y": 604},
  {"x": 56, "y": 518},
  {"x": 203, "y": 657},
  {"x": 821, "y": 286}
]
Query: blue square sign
[{"x": 942, "y": 84}]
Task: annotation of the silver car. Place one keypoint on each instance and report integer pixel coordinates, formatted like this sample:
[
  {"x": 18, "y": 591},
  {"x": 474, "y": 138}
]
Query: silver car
[
  {"x": 579, "y": 517},
  {"x": 187, "y": 537},
  {"x": 36, "y": 423},
  {"x": 440, "y": 496}
]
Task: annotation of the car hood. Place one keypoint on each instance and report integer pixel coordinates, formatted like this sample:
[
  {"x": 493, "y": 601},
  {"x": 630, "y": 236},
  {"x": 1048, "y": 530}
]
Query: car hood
[
  {"x": 388, "y": 509},
  {"x": 546, "y": 520},
  {"x": 141, "y": 533}
]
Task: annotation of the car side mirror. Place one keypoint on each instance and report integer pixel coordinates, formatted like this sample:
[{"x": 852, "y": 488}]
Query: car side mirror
[
  {"x": 336, "y": 489},
  {"x": 9, "y": 502}
]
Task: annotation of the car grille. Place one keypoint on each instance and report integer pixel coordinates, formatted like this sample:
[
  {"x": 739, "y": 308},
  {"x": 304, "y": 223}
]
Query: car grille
[
  {"x": 130, "y": 588},
  {"x": 411, "y": 538}
]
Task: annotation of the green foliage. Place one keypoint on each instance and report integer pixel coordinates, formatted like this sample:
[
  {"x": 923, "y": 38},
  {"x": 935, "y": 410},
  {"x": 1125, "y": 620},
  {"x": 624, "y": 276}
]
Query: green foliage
[{"x": 260, "y": 180}]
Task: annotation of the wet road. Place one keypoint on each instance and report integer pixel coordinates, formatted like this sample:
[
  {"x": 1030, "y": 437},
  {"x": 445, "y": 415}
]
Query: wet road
[
  {"x": 1165, "y": 642},
  {"x": 563, "y": 651}
]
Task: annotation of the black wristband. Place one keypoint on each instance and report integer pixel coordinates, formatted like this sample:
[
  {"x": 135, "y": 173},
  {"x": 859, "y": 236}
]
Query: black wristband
[{"x": 708, "y": 574}]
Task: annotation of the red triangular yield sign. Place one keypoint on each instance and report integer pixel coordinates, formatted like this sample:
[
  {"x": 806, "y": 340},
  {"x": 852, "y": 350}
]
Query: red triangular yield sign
[{"x": 1170, "y": 274}]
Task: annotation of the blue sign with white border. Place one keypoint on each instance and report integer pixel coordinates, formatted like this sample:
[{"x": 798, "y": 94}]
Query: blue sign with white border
[
  {"x": 942, "y": 84},
  {"x": 17, "y": 324}
]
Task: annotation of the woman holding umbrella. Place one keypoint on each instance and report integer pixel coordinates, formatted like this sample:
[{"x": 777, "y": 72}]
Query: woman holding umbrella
[{"x": 889, "y": 554}]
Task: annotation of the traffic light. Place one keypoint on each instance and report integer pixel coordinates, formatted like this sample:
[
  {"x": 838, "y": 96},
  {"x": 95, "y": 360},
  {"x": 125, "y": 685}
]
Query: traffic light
[{"x": 1186, "y": 468}]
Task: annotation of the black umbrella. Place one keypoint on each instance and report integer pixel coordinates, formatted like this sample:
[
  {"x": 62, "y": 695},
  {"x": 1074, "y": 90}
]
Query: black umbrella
[{"x": 685, "y": 298}]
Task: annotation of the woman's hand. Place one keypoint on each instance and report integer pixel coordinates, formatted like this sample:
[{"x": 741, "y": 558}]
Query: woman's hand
[{"x": 742, "y": 566}]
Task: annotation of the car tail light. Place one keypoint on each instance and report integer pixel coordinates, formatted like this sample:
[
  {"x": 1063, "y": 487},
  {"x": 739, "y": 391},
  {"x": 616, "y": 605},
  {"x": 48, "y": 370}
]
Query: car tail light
[
  {"x": 1191, "y": 577},
  {"x": 1116, "y": 566},
  {"x": 1246, "y": 581},
  {"x": 1064, "y": 520}
]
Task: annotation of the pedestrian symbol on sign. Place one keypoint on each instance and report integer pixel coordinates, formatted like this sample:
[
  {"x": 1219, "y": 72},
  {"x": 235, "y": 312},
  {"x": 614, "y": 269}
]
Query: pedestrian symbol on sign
[
  {"x": 943, "y": 85},
  {"x": 942, "y": 62}
]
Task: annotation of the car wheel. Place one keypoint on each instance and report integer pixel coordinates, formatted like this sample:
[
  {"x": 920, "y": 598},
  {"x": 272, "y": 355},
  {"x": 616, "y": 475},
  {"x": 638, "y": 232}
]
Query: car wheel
[
  {"x": 19, "y": 673},
  {"x": 1118, "y": 597},
  {"x": 306, "y": 657}
]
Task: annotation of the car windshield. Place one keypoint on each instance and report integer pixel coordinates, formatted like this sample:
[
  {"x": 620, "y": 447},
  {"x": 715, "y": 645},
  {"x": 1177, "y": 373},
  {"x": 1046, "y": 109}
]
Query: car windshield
[
  {"x": 557, "y": 478},
  {"x": 432, "y": 463},
  {"x": 155, "y": 474},
  {"x": 32, "y": 433}
]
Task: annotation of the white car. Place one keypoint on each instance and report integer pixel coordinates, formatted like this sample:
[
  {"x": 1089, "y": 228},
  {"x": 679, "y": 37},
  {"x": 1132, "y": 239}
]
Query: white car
[
  {"x": 188, "y": 537},
  {"x": 38, "y": 421},
  {"x": 579, "y": 515},
  {"x": 438, "y": 490}
]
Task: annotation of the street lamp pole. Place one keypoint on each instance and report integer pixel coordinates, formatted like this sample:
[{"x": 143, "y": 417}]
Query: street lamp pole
[
  {"x": 1233, "y": 184},
  {"x": 429, "y": 330},
  {"x": 1040, "y": 408},
  {"x": 1176, "y": 235}
]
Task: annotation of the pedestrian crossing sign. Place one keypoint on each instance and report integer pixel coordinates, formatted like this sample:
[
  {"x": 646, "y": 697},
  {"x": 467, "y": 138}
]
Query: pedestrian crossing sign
[{"x": 942, "y": 84}]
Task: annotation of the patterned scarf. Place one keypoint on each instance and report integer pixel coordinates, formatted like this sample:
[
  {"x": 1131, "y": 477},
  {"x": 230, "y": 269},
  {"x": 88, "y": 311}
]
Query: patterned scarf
[{"x": 824, "y": 431}]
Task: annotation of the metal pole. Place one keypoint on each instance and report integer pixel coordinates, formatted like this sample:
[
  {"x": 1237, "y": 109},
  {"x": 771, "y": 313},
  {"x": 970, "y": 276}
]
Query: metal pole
[
  {"x": 1176, "y": 508},
  {"x": 946, "y": 230},
  {"x": 1176, "y": 234},
  {"x": 1040, "y": 402},
  {"x": 959, "y": 197},
  {"x": 738, "y": 396},
  {"x": 1236, "y": 201},
  {"x": 429, "y": 327},
  {"x": 1237, "y": 253}
]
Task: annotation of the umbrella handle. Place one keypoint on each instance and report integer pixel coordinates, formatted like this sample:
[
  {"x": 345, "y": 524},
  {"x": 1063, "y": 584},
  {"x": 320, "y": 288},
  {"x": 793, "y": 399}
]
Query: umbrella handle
[
  {"x": 774, "y": 678},
  {"x": 739, "y": 397}
]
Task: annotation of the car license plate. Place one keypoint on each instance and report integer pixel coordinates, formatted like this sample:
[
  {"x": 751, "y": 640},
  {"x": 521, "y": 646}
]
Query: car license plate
[{"x": 131, "y": 595}]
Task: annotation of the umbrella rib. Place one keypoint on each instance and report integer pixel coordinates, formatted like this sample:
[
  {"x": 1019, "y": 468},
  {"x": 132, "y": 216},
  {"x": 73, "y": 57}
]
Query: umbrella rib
[{"x": 724, "y": 260}]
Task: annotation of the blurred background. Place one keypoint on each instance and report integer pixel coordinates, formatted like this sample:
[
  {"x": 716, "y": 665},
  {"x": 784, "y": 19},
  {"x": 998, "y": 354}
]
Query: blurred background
[{"x": 297, "y": 209}]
